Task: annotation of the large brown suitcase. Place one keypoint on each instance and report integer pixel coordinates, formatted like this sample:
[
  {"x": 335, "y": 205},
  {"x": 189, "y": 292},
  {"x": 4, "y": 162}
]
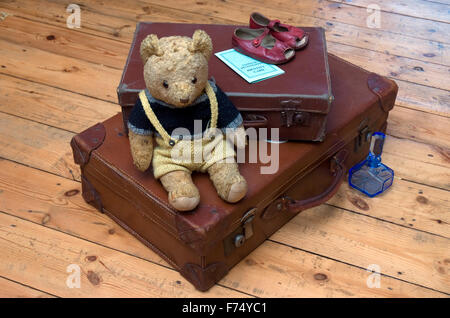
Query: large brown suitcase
[
  {"x": 204, "y": 244},
  {"x": 296, "y": 102}
]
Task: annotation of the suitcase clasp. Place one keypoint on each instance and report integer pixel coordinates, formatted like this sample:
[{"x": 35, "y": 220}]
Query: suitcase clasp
[
  {"x": 294, "y": 118},
  {"x": 290, "y": 116},
  {"x": 241, "y": 234},
  {"x": 364, "y": 134},
  {"x": 246, "y": 222}
]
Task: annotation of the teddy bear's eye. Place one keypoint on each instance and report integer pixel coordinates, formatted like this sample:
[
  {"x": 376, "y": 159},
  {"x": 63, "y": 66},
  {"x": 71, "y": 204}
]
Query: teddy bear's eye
[
  {"x": 194, "y": 80},
  {"x": 165, "y": 84}
]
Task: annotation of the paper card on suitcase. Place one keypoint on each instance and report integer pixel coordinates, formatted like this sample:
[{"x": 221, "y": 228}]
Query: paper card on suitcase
[
  {"x": 205, "y": 243},
  {"x": 297, "y": 102}
]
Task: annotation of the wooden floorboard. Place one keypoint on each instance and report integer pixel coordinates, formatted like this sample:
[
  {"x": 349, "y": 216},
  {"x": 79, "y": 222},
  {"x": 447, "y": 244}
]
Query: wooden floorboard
[
  {"x": 105, "y": 272},
  {"x": 340, "y": 32},
  {"x": 433, "y": 11},
  {"x": 405, "y": 70},
  {"x": 11, "y": 289},
  {"x": 55, "y": 82},
  {"x": 56, "y": 204},
  {"x": 52, "y": 106}
]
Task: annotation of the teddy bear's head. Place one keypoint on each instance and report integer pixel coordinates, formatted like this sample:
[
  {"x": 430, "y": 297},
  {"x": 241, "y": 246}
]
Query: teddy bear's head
[{"x": 176, "y": 67}]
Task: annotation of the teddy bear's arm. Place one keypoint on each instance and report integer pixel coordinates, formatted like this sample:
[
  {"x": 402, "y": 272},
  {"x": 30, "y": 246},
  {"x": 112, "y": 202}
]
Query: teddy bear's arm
[
  {"x": 141, "y": 150},
  {"x": 140, "y": 135}
]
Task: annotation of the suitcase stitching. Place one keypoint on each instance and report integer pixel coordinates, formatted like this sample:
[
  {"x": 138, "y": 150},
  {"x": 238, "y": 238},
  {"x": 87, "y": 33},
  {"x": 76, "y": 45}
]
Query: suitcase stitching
[
  {"x": 154, "y": 197},
  {"x": 141, "y": 238},
  {"x": 143, "y": 192},
  {"x": 155, "y": 221},
  {"x": 159, "y": 221}
]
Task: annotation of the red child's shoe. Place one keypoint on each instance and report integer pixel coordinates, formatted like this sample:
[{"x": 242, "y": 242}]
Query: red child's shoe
[
  {"x": 259, "y": 44},
  {"x": 296, "y": 38}
]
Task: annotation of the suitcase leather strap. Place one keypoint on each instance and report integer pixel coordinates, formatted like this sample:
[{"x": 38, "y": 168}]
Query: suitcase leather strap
[
  {"x": 160, "y": 129},
  {"x": 286, "y": 203}
]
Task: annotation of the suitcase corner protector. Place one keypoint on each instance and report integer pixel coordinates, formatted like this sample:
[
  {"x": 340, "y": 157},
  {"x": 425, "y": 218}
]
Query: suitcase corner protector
[
  {"x": 385, "y": 89},
  {"x": 121, "y": 89},
  {"x": 203, "y": 278},
  {"x": 87, "y": 141}
]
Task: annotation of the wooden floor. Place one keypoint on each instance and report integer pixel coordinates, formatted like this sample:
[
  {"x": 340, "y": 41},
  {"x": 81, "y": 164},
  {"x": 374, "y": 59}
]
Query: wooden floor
[{"x": 55, "y": 82}]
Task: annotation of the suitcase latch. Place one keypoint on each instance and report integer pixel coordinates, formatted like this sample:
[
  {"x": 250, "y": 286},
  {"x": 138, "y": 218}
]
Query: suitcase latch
[
  {"x": 246, "y": 222},
  {"x": 242, "y": 234},
  {"x": 292, "y": 117},
  {"x": 363, "y": 137}
]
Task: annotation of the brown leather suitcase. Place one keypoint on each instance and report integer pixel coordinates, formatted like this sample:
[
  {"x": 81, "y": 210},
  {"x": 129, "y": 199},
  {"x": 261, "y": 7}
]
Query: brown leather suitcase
[
  {"x": 296, "y": 102},
  {"x": 204, "y": 244}
]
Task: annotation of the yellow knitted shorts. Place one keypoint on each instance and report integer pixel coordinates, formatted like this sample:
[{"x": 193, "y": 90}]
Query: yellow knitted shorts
[{"x": 190, "y": 155}]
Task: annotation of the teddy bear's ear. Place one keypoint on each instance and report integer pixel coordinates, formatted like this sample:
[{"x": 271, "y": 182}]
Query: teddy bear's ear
[
  {"x": 201, "y": 42},
  {"x": 149, "y": 47}
]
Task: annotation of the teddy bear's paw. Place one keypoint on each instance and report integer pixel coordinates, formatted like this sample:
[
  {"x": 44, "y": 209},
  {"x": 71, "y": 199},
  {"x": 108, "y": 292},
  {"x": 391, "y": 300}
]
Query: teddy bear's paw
[
  {"x": 184, "y": 203},
  {"x": 183, "y": 195},
  {"x": 141, "y": 150},
  {"x": 229, "y": 183},
  {"x": 237, "y": 191},
  {"x": 142, "y": 163}
]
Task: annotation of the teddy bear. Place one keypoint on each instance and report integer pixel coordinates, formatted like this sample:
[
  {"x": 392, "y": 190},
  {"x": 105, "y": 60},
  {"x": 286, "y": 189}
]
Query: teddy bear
[{"x": 193, "y": 123}]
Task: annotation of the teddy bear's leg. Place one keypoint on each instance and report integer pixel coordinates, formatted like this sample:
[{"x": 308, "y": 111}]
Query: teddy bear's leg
[
  {"x": 227, "y": 180},
  {"x": 182, "y": 193},
  {"x": 141, "y": 150}
]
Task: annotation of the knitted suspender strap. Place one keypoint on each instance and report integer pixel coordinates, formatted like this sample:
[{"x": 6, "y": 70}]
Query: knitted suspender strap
[
  {"x": 160, "y": 129},
  {"x": 213, "y": 104},
  {"x": 152, "y": 117}
]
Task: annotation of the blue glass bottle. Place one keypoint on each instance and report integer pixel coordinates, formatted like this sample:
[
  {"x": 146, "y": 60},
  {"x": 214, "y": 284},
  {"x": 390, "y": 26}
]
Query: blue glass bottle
[{"x": 372, "y": 177}]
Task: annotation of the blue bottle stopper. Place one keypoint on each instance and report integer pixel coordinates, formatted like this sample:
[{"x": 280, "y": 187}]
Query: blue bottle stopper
[{"x": 371, "y": 176}]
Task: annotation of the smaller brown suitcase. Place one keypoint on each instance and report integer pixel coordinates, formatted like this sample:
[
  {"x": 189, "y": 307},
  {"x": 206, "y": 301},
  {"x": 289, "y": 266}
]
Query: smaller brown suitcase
[
  {"x": 296, "y": 102},
  {"x": 204, "y": 244}
]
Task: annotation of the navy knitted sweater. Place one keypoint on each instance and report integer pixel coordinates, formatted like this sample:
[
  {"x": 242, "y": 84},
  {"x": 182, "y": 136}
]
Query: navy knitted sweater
[{"x": 172, "y": 117}]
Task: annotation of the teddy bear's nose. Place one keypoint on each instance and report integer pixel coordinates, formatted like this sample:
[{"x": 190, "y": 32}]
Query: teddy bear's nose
[{"x": 184, "y": 100}]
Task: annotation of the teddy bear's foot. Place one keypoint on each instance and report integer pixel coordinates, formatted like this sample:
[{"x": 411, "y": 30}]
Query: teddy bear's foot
[
  {"x": 227, "y": 180},
  {"x": 183, "y": 195}
]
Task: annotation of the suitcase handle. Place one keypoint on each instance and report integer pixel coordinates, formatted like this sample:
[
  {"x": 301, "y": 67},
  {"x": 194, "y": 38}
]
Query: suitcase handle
[
  {"x": 296, "y": 206},
  {"x": 255, "y": 121},
  {"x": 286, "y": 203}
]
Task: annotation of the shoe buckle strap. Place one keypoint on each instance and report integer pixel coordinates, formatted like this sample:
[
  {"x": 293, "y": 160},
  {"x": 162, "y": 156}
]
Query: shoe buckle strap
[
  {"x": 272, "y": 24},
  {"x": 257, "y": 41}
]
